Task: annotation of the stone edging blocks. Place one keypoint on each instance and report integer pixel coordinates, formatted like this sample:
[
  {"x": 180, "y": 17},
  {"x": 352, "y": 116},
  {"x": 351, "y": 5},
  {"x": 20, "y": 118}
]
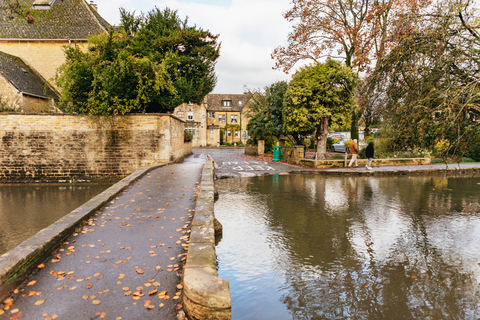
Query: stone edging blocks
[
  {"x": 205, "y": 295},
  {"x": 17, "y": 264}
]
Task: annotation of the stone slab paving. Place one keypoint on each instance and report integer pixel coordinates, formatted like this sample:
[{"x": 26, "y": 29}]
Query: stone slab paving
[{"x": 126, "y": 262}]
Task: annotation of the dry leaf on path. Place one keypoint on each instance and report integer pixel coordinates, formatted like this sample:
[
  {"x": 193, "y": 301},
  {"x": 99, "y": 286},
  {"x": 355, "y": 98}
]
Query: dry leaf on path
[{"x": 39, "y": 302}]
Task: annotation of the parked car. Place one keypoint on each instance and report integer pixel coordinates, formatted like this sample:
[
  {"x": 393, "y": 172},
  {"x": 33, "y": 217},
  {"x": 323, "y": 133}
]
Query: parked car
[{"x": 339, "y": 146}]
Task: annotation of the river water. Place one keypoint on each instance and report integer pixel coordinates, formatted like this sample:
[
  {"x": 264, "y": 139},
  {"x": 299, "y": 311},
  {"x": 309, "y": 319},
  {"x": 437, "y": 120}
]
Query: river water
[
  {"x": 313, "y": 247},
  {"x": 27, "y": 209}
]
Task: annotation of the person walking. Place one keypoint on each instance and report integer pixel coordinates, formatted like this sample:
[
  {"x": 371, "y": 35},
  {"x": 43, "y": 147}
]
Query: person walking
[
  {"x": 354, "y": 152},
  {"x": 369, "y": 153}
]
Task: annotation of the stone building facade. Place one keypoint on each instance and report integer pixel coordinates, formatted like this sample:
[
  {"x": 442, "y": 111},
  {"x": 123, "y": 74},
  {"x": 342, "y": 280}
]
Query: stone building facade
[{"x": 220, "y": 118}]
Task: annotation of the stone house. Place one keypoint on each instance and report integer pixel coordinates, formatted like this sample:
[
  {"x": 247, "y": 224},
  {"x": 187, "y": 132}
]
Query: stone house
[
  {"x": 22, "y": 90},
  {"x": 194, "y": 116},
  {"x": 33, "y": 33},
  {"x": 220, "y": 117}
]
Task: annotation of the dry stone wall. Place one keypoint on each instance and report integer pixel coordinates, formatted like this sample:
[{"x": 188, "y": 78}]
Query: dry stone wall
[{"x": 67, "y": 147}]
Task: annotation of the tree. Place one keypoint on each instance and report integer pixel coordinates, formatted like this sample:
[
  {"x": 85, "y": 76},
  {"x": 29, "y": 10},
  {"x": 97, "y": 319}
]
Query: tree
[
  {"x": 268, "y": 121},
  {"x": 154, "y": 63},
  {"x": 357, "y": 30},
  {"x": 430, "y": 81},
  {"x": 319, "y": 95}
]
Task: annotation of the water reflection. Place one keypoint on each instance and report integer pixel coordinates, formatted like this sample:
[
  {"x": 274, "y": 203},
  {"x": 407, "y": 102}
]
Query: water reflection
[
  {"x": 27, "y": 209},
  {"x": 309, "y": 247}
]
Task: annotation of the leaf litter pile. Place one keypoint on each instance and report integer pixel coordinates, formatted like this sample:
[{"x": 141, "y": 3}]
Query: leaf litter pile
[{"x": 125, "y": 262}]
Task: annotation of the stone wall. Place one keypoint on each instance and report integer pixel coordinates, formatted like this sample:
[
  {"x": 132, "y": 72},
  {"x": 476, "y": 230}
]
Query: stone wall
[
  {"x": 65, "y": 147},
  {"x": 197, "y": 126},
  {"x": 8, "y": 94}
]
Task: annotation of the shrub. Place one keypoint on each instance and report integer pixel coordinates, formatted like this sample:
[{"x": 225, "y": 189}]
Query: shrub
[
  {"x": 187, "y": 136},
  {"x": 475, "y": 153},
  {"x": 307, "y": 143},
  {"x": 368, "y": 139},
  {"x": 330, "y": 141}
]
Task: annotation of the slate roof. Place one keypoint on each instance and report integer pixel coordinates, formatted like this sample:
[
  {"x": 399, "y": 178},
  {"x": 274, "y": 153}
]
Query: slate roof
[
  {"x": 65, "y": 19},
  {"x": 23, "y": 78},
  {"x": 214, "y": 102}
]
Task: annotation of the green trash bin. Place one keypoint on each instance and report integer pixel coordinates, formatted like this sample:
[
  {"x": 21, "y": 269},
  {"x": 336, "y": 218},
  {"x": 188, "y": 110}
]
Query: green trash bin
[{"x": 277, "y": 153}]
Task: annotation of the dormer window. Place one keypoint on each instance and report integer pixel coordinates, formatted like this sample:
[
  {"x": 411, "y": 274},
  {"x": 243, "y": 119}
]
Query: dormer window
[
  {"x": 226, "y": 103},
  {"x": 43, "y": 4},
  {"x": 240, "y": 103}
]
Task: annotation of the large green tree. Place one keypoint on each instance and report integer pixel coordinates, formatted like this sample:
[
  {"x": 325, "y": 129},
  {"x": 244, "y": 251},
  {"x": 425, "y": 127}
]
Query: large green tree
[
  {"x": 268, "y": 120},
  {"x": 319, "y": 95},
  {"x": 152, "y": 64}
]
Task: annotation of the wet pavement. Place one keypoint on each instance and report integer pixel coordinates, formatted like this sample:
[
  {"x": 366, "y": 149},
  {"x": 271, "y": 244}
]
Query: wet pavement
[
  {"x": 233, "y": 162},
  {"x": 126, "y": 263}
]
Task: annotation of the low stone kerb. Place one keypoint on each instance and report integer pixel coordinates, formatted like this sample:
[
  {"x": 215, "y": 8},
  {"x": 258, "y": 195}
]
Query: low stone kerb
[{"x": 205, "y": 295}]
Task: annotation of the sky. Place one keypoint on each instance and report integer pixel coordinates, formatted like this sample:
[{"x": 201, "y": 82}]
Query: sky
[{"x": 249, "y": 32}]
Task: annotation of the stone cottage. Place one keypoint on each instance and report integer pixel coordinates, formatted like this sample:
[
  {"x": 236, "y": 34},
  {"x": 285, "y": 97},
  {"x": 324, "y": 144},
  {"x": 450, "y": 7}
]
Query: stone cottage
[{"x": 33, "y": 34}]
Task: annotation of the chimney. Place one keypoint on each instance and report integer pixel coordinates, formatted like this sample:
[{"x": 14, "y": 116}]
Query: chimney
[{"x": 94, "y": 5}]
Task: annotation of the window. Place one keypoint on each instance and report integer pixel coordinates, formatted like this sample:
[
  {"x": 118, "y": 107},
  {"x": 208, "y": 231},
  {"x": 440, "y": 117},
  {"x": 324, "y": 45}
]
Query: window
[
  {"x": 211, "y": 115},
  {"x": 211, "y": 134},
  {"x": 221, "y": 118},
  {"x": 229, "y": 133},
  {"x": 190, "y": 115},
  {"x": 237, "y": 133},
  {"x": 240, "y": 103},
  {"x": 226, "y": 103},
  {"x": 233, "y": 119}
]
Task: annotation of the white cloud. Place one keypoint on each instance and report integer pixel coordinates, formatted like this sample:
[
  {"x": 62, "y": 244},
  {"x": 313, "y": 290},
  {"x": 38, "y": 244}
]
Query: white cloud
[{"x": 249, "y": 31}]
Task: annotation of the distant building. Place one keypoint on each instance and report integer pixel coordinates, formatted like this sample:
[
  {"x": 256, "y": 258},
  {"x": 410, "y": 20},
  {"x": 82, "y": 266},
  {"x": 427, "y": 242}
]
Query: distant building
[
  {"x": 220, "y": 118},
  {"x": 32, "y": 36}
]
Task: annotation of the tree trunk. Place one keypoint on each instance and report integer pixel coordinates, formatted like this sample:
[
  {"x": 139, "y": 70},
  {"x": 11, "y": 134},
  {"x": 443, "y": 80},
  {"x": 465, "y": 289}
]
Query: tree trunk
[
  {"x": 321, "y": 136},
  {"x": 354, "y": 127}
]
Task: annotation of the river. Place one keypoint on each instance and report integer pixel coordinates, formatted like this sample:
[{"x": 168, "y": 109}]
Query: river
[
  {"x": 314, "y": 247},
  {"x": 26, "y": 209}
]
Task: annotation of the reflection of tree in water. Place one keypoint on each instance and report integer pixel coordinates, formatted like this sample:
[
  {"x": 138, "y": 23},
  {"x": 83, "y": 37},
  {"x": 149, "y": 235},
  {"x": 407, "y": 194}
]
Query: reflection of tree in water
[{"x": 330, "y": 279}]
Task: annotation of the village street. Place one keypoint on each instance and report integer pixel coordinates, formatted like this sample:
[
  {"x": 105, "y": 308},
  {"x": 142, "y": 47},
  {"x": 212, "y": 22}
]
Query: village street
[{"x": 233, "y": 162}]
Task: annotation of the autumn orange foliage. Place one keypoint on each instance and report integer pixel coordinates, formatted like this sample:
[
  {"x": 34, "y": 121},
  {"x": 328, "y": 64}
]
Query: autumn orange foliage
[{"x": 358, "y": 31}]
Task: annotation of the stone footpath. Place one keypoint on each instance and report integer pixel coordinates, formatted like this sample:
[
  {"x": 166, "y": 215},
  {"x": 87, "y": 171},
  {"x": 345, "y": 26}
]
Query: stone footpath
[{"x": 126, "y": 262}]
